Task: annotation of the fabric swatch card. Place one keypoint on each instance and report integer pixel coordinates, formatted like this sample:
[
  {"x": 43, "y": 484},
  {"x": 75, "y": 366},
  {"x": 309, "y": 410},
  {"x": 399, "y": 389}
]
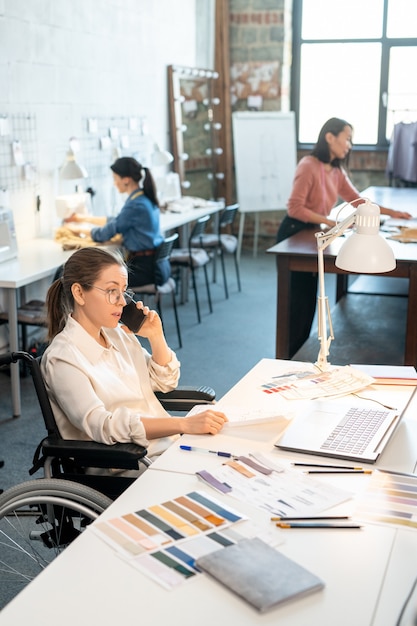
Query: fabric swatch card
[{"x": 259, "y": 574}]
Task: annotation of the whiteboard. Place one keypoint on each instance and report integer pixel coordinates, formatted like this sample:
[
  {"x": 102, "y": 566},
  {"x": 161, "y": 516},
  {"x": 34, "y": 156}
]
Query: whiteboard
[{"x": 265, "y": 159}]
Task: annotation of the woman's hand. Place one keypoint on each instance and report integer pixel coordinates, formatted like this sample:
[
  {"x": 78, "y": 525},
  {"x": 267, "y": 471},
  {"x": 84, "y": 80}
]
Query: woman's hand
[
  {"x": 81, "y": 231},
  {"x": 152, "y": 326},
  {"x": 401, "y": 215},
  {"x": 207, "y": 422},
  {"x": 152, "y": 330},
  {"x": 74, "y": 217}
]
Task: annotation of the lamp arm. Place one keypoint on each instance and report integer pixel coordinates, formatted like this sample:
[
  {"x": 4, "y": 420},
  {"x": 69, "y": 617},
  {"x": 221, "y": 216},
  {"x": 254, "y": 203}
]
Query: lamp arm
[{"x": 324, "y": 239}]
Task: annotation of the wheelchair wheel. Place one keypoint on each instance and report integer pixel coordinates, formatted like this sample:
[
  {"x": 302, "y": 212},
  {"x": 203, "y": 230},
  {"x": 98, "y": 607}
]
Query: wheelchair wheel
[{"x": 38, "y": 520}]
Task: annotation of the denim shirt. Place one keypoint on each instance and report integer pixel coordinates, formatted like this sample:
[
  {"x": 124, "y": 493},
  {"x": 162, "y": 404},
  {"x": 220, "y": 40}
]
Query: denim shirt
[{"x": 137, "y": 222}]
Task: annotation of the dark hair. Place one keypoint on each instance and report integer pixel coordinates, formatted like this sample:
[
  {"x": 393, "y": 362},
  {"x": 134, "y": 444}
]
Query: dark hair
[
  {"x": 321, "y": 151},
  {"x": 84, "y": 267},
  {"x": 128, "y": 167}
]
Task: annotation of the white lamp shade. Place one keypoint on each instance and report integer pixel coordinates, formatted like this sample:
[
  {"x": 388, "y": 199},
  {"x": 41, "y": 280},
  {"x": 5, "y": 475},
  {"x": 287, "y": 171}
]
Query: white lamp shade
[
  {"x": 365, "y": 254},
  {"x": 71, "y": 170},
  {"x": 365, "y": 251},
  {"x": 161, "y": 157}
]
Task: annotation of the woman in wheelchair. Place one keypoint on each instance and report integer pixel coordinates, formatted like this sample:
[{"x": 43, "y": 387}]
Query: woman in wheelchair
[{"x": 99, "y": 378}]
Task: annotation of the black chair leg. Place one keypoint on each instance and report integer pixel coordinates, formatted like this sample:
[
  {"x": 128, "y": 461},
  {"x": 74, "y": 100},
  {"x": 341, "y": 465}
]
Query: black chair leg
[
  {"x": 226, "y": 291},
  {"x": 208, "y": 289},
  {"x": 197, "y": 305},
  {"x": 239, "y": 286},
  {"x": 177, "y": 323}
]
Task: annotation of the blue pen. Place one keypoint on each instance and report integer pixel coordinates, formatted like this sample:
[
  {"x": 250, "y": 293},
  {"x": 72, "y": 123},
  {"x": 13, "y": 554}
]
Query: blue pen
[{"x": 217, "y": 452}]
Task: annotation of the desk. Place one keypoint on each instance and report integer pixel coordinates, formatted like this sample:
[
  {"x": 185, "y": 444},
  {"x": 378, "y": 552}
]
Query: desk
[
  {"x": 299, "y": 254},
  {"x": 367, "y": 573},
  {"x": 170, "y": 220},
  {"x": 38, "y": 259}
]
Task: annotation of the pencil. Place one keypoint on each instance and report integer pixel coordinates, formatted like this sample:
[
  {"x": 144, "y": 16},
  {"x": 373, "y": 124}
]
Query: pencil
[
  {"x": 290, "y": 519},
  {"x": 320, "y": 525},
  {"x": 331, "y": 466},
  {"x": 339, "y": 472}
]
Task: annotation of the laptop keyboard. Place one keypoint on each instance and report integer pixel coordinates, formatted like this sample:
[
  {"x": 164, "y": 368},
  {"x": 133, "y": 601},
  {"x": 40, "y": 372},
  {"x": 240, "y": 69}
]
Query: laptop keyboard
[{"x": 355, "y": 431}]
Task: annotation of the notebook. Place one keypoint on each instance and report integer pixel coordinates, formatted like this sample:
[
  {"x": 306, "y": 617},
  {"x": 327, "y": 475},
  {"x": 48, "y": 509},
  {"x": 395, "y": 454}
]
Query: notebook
[
  {"x": 356, "y": 433},
  {"x": 259, "y": 574}
]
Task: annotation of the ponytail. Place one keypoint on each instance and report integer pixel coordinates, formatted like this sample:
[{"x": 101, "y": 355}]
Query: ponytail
[
  {"x": 58, "y": 308},
  {"x": 148, "y": 186}
]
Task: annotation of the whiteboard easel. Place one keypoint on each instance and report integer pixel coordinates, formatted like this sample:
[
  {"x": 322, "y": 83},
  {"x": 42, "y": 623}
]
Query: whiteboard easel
[{"x": 265, "y": 159}]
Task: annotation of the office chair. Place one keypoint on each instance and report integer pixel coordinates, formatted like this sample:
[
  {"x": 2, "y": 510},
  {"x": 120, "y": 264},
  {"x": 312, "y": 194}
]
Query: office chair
[
  {"x": 222, "y": 243},
  {"x": 192, "y": 258},
  {"x": 70, "y": 460},
  {"x": 169, "y": 287}
]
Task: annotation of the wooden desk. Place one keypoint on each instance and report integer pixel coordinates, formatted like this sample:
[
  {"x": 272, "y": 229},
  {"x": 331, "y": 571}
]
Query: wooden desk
[{"x": 299, "y": 254}]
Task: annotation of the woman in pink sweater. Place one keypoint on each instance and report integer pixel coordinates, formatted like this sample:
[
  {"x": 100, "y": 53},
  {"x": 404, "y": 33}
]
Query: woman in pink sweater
[{"x": 320, "y": 179}]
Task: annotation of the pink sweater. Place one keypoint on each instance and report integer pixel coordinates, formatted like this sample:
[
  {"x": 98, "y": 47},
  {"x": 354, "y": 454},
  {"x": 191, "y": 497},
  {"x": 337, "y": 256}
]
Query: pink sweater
[{"x": 315, "y": 190}]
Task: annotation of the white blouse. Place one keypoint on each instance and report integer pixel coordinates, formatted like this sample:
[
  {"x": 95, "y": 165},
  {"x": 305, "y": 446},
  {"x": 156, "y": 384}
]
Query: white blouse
[{"x": 99, "y": 393}]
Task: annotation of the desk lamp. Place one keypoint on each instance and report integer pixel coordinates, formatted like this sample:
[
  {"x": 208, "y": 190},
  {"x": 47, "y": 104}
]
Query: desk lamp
[
  {"x": 365, "y": 251},
  {"x": 161, "y": 157},
  {"x": 71, "y": 168}
]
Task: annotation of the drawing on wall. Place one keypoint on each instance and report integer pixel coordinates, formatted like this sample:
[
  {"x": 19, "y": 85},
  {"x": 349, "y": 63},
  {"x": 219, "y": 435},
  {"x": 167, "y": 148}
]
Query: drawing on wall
[{"x": 254, "y": 79}]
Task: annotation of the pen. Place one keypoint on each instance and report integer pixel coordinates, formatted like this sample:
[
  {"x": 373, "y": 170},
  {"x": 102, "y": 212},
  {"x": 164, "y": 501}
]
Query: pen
[
  {"x": 217, "y": 452},
  {"x": 339, "y": 472},
  {"x": 320, "y": 525},
  {"x": 290, "y": 519},
  {"x": 332, "y": 466}
]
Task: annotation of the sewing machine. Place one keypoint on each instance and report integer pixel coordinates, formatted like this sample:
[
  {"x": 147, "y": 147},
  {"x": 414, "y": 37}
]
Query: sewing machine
[{"x": 8, "y": 243}]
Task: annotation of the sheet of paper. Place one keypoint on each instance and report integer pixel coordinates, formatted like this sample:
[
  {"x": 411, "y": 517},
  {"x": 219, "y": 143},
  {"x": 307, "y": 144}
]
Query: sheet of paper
[
  {"x": 391, "y": 498},
  {"x": 287, "y": 493}
]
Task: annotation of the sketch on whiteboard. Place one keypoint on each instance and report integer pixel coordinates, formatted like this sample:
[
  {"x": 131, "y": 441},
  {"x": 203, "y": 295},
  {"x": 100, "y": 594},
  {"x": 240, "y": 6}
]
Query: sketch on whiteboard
[{"x": 269, "y": 174}]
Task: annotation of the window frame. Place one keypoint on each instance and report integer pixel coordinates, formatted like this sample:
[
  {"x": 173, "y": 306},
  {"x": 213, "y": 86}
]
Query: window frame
[{"x": 386, "y": 45}]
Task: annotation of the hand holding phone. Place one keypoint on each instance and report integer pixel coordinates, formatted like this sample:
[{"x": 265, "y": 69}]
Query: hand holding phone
[{"x": 132, "y": 317}]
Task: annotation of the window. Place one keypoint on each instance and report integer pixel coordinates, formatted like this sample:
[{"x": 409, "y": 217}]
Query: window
[{"x": 355, "y": 60}]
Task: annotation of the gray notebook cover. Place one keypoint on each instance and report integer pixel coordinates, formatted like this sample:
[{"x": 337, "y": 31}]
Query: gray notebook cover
[{"x": 259, "y": 574}]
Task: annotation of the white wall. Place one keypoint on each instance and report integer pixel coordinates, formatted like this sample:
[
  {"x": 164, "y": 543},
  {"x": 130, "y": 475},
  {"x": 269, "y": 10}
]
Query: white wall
[{"x": 65, "y": 60}]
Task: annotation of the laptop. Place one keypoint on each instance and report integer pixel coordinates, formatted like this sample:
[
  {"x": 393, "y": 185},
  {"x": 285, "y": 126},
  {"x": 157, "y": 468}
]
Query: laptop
[{"x": 352, "y": 433}]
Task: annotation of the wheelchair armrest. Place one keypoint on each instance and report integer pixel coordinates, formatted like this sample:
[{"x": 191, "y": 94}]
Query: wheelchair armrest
[
  {"x": 184, "y": 398},
  {"x": 94, "y": 454}
]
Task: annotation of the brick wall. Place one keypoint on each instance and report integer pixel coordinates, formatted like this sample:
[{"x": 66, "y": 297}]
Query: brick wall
[{"x": 260, "y": 36}]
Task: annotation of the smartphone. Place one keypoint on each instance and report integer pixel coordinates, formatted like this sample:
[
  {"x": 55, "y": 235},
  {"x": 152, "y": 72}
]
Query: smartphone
[{"x": 132, "y": 317}]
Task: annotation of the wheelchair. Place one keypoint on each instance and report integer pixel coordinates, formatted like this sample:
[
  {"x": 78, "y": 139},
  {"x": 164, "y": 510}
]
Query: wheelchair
[{"x": 39, "y": 518}]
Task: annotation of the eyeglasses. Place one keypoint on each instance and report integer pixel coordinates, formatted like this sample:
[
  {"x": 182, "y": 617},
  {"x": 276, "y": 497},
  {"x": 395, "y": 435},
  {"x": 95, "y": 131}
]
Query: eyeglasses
[{"x": 113, "y": 295}]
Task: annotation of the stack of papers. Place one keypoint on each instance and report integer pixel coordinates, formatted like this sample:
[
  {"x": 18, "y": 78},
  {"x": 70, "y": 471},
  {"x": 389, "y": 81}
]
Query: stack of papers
[
  {"x": 390, "y": 374},
  {"x": 335, "y": 382}
]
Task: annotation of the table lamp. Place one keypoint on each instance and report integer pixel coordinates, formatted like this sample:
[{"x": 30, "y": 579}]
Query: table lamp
[
  {"x": 161, "y": 157},
  {"x": 72, "y": 169},
  {"x": 365, "y": 251}
]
